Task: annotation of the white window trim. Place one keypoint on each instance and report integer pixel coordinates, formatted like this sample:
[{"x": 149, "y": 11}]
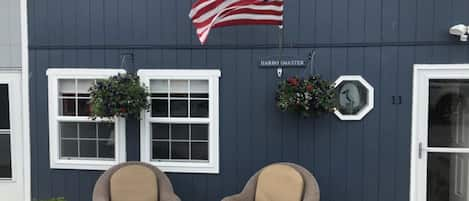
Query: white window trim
[
  {"x": 419, "y": 141},
  {"x": 82, "y": 73},
  {"x": 213, "y": 166},
  {"x": 364, "y": 111}
]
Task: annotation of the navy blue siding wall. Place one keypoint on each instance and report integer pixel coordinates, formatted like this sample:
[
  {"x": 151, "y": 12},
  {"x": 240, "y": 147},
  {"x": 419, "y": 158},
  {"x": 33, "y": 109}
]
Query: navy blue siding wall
[{"x": 354, "y": 161}]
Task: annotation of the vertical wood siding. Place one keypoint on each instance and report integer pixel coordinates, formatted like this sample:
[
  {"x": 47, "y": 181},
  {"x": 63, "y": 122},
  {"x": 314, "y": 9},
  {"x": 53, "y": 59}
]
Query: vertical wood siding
[{"x": 364, "y": 160}]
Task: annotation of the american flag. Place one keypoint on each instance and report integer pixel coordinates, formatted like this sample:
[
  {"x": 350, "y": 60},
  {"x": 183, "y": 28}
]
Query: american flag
[{"x": 208, "y": 14}]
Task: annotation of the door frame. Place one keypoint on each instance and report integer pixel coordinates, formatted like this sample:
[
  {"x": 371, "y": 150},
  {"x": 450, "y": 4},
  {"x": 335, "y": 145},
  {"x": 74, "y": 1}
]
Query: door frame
[
  {"x": 419, "y": 142},
  {"x": 25, "y": 98}
]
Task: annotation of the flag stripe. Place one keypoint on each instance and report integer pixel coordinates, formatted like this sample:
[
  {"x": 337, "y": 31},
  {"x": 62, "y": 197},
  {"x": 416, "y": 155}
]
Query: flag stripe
[
  {"x": 241, "y": 11},
  {"x": 215, "y": 8},
  {"x": 241, "y": 16},
  {"x": 208, "y": 14}
]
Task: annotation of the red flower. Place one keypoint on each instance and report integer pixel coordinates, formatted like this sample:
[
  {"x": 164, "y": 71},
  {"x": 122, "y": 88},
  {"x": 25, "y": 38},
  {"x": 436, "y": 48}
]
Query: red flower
[
  {"x": 309, "y": 88},
  {"x": 293, "y": 81},
  {"x": 123, "y": 110}
]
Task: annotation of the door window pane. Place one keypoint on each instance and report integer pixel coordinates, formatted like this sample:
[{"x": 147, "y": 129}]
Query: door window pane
[
  {"x": 448, "y": 113},
  {"x": 447, "y": 177},
  {"x": 5, "y": 157},
  {"x": 4, "y": 107}
]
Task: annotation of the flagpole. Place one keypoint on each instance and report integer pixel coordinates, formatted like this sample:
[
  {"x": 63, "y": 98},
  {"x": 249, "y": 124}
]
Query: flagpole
[{"x": 280, "y": 46}]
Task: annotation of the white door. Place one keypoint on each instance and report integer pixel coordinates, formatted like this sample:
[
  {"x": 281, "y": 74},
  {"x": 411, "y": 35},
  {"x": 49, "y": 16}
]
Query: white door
[
  {"x": 440, "y": 133},
  {"x": 11, "y": 138}
]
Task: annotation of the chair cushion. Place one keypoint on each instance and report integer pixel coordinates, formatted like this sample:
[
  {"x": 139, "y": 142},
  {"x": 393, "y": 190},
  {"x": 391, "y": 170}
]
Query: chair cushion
[
  {"x": 134, "y": 183},
  {"x": 279, "y": 183}
]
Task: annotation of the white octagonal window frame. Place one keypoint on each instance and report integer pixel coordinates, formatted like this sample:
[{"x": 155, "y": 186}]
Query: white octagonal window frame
[{"x": 364, "y": 111}]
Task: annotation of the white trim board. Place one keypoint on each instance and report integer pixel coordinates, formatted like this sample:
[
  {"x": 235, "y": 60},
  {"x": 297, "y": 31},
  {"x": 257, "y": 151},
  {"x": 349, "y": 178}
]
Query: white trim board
[
  {"x": 25, "y": 101},
  {"x": 54, "y": 74},
  {"x": 210, "y": 167}
]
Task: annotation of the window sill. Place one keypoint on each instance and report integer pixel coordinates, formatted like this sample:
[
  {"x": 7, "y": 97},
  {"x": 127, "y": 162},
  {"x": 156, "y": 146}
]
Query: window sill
[
  {"x": 186, "y": 167},
  {"x": 82, "y": 164}
]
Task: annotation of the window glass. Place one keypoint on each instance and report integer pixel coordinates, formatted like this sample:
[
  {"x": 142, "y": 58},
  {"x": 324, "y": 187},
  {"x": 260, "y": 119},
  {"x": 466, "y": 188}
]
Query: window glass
[
  {"x": 179, "y": 88},
  {"x": 69, "y": 148},
  {"x": 106, "y": 149},
  {"x": 74, "y": 97},
  {"x": 199, "y": 88},
  {"x": 69, "y": 130},
  {"x": 160, "y": 131},
  {"x": 159, "y": 108},
  {"x": 159, "y": 88},
  {"x": 5, "y": 156},
  {"x": 180, "y": 150},
  {"x": 199, "y": 108},
  {"x": 199, "y": 151},
  {"x": 180, "y": 141},
  {"x": 179, "y": 99},
  {"x": 161, "y": 150},
  {"x": 199, "y": 131},
  {"x": 179, "y": 108},
  {"x": 179, "y": 131},
  {"x": 87, "y": 140},
  {"x": 4, "y": 107}
]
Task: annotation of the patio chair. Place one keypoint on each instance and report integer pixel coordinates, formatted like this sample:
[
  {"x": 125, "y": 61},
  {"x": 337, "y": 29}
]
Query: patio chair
[
  {"x": 279, "y": 182},
  {"x": 134, "y": 181}
]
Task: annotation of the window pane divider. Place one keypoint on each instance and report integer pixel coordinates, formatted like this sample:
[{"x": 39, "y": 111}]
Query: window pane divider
[
  {"x": 82, "y": 119},
  {"x": 5, "y": 131},
  {"x": 176, "y": 120},
  {"x": 446, "y": 150}
]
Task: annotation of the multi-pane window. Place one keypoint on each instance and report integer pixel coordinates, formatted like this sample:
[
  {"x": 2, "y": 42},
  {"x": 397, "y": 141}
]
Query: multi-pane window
[
  {"x": 180, "y": 132},
  {"x": 82, "y": 138},
  {"x": 76, "y": 140},
  {"x": 177, "y": 140}
]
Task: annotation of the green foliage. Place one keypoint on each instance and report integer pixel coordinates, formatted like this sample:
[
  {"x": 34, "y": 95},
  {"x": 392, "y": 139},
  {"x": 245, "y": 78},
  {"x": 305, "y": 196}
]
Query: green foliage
[
  {"x": 119, "y": 96},
  {"x": 309, "y": 97},
  {"x": 55, "y": 199}
]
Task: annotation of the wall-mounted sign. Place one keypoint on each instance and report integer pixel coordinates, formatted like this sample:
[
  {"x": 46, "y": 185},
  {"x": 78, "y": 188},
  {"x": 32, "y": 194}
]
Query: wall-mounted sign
[
  {"x": 285, "y": 61},
  {"x": 354, "y": 97}
]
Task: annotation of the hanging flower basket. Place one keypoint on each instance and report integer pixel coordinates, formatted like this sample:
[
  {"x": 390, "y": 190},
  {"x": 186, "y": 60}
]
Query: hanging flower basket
[
  {"x": 119, "y": 96},
  {"x": 308, "y": 97}
]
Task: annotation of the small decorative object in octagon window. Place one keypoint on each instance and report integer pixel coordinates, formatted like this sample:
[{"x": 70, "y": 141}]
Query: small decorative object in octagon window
[{"x": 354, "y": 97}]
